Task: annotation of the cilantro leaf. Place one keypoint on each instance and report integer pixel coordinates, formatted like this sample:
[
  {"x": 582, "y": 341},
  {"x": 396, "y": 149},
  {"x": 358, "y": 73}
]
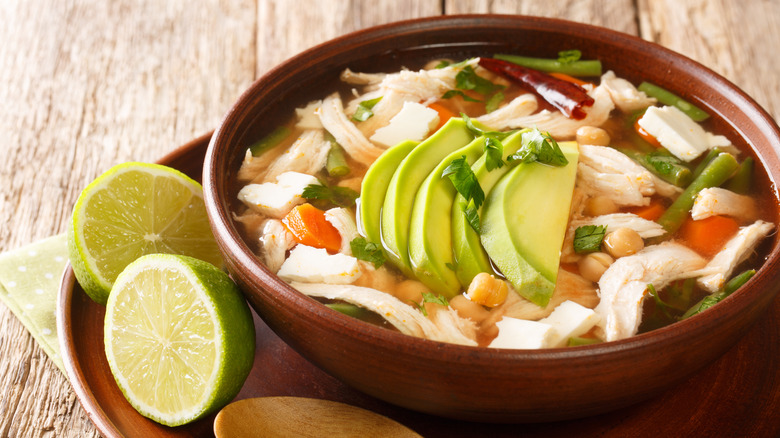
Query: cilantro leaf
[
  {"x": 443, "y": 63},
  {"x": 587, "y": 238},
  {"x": 494, "y": 150},
  {"x": 363, "y": 111},
  {"x": 569, "y": 56},
  {"x": 452, "y": 93},
  {"x": 472, "y": 216},
  {"x": 498, "y": 135},
  {"x": 492, "y": 103},
  {"x": 468, "y": 79},
  {"x": 464, "y": 180},
  {"x": 539, "y": 146},
  {"x": 367, "y": 251},
  {"x": 663, "y": 163},
  {"x": 339, "y": 196},
  {"x": 428, "y": 297}
]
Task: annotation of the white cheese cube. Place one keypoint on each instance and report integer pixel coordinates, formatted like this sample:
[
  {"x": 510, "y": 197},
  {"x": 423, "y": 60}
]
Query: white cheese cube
[
  {"x": 413, "y": 122},
  {"x": 570, "y": 319},
  {"x": 277, "y": 199},
  {"x": 307, "y": 116},
  {"x": 522, "y": 334},
  {"x": 314, "y": 265},
  {"x": 678, "y": 133}
]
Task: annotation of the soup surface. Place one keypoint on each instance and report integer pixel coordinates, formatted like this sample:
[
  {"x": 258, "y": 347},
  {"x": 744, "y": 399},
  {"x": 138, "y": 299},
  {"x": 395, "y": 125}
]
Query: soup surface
[{"x": 507, "y": 202}]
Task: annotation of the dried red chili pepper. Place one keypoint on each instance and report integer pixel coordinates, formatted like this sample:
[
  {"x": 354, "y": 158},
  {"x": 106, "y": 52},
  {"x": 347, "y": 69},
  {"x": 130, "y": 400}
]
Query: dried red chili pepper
[{"x": 567, "y": 97}]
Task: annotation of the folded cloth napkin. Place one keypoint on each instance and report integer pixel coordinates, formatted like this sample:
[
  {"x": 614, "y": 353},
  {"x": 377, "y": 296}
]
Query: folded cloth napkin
[{"x": 29, "y": 282}]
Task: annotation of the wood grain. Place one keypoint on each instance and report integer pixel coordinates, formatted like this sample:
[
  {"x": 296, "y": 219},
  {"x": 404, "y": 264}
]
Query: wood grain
[{"x": 89, "y": 84}]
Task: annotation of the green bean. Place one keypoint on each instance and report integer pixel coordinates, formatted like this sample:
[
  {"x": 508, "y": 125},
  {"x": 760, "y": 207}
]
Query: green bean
[
  {"x": 270, "y": 141},
  {"x": 743, "y": 179},
  {"x": 336, "y": 165},
  {"x": 711, "y": 300},
  {"x": 576, "y": 341},
  {"x": 348, "y": 309},
  {"x": 668, "y": 98},
  {"x": 715, "y": 174},
  {"x": 576, "y": 68},
  {"x": 662, "y": 164},
  {"x": 712, "y": 153}
]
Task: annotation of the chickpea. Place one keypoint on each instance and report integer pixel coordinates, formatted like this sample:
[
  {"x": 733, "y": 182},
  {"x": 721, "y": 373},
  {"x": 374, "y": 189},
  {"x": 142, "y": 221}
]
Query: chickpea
[
  {"x": 600, "y": 205},
  {"x": 623, "y": 242},
  {"x": 593, "y": 136},
  {"x": 487, "y": 290},
  {"x": 469, "y": 309},
  {"x": 593, "y": 265}
]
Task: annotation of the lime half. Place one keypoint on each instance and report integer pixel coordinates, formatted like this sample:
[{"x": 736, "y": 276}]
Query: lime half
[
  {"x": 131, "y": 210},
  {"x": 179, "y": 337}
]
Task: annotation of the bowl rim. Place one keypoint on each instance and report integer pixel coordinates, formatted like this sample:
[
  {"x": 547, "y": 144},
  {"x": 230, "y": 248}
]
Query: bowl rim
[{"x": 228, "y": 235}]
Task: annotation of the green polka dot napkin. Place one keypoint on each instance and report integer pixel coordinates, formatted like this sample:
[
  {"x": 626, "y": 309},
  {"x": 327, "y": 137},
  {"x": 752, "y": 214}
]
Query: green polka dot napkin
[{"x": 29, "y": 282}]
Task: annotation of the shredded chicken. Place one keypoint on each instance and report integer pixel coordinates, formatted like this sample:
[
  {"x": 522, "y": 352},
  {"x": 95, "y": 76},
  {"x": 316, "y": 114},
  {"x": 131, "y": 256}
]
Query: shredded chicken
[
  {"x": 253, "y": 168},
  {"x": 562, "y": 127},
  {"x": 521, "y": 106},
  {"x": 307, "y": 154},
  {"x": 717, "y": 201},
  {"x": 736, "y": 250},
  {"x": 351, "y": 77},
  {"x": 624, "y": 284},
  {"x": 346, "y": 134},
  {"x": 343, "y": 221},
  {"x": 275, "y": 240},
  {"x": 625, "y": 95},
  {"x": 644, "y": 227},
  {"x": 568, "y": 287},
  {"x": 404, "y": 317}
]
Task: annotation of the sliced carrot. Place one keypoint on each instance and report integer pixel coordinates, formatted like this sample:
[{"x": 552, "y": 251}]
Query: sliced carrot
[
  {"x": 444, "y": 113},
  {"x": 308, "y": 225},
  {"x": 707, "y": 236},
  {"x": 567, "y": 78},
  {"x": 650, "y": 212},
  {"x": 646, "y": 135}
]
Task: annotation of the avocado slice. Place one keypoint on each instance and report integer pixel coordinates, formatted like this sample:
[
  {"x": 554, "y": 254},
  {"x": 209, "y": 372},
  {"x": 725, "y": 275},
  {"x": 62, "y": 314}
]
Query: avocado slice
[
  {"x": 470, "y": 257},
  {"x": 374, "y": 188},
  {"x": 397, "y": 206},
  {"x": 430, "y": 239},
  {"x": 524, "y": 221}
]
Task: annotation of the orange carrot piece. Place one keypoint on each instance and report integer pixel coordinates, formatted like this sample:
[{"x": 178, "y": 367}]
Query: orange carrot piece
[
  {"x": 645, "y": 135},
  {"x": 444, "y": 113},
  {"x": 567, "y": 78},
  {"x": 707, "y": 236},
  {"x": 308, "y": 225},
  {"x": 650, "y": 212}
]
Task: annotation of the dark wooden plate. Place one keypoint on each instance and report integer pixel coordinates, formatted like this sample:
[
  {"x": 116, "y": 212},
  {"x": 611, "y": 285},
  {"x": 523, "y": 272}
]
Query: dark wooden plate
[{"x": 737, "y": 395}]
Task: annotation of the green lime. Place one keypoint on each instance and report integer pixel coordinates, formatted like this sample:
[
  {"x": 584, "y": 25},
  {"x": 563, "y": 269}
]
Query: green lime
[
  {"x": 131, "y": 210},
  {"x": 179, "y": 337}
]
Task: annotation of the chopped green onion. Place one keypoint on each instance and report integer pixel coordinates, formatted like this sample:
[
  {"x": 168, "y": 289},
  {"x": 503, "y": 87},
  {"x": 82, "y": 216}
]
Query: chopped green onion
[
  {"x": 363, "y": 111},
  {"x": 336, "y": 164},
  {"x": 743, "y": 179}
]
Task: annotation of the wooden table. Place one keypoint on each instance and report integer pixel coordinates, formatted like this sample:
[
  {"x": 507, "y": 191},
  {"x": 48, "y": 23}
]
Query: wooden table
[{"x": 88, "y": 84}]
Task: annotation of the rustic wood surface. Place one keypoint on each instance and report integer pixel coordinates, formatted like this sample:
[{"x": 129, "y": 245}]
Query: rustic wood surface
[{"x": 88, "y": 84}]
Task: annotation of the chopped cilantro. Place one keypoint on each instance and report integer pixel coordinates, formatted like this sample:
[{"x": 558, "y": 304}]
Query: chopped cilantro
[
  {"x": 495, "y": 100},
  {"x": 569, "y": 56},
  {"x": 428, "y": 297},
  {"x": 494, "y": 149},
  {"x": 472, "y": 216},
  {"x": 367, "y": 251},
  {"x": 363, "y": 111},
  {"x": 443, "y": 63},
  {"x": 339, "y": 196},
  {"x": 464, "y": 180},
  {"x": 539, "y": 146},
  {"x": 498, "y": 135},
  {"x": 587, "y": 238},
  {"x": 452, "y": 93}
]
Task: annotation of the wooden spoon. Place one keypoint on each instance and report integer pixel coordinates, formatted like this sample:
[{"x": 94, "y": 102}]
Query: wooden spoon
[{"x": 302, "y": 417}]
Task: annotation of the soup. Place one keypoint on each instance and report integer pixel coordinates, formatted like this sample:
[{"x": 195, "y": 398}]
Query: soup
[{"x": 485, "y": 202}]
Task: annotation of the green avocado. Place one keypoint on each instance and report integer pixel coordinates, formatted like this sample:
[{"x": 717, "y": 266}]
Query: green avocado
[
  {"x": 470, "y": 257},
  {"x": 430, "y": 239},
  {"x": 399, "y": 199},
  {"x": 524, "y": 221},
  {"x": 374, "y": 188}
]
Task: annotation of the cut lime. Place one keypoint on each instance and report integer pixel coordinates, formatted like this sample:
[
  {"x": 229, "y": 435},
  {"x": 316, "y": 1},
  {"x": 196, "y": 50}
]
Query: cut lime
[
  {"x": 179, "y": 337},
  {"x": 131, "y": 210}
]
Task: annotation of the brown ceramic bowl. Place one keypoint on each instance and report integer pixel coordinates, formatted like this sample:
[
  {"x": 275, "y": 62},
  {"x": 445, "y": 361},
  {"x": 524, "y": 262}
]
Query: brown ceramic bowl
[{"x": 468, "y": 382}]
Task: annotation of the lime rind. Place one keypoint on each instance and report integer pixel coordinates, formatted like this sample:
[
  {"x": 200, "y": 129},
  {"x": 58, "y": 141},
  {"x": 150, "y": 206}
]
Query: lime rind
[
  {"x": 202, "y": 292},
  {"x": 115, "y": 220}
]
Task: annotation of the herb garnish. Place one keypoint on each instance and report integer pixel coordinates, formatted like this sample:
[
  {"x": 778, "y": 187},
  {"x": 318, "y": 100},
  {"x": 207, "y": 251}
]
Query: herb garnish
[
  {"x": 569, "y": 56},
  {"x": 661, "y": 304},
  {"x": 587, "y": 238},
  {"x": 468, "y": 79},
  {"x": 339, "y": 196},
  {"x": 452, "y": 93},
  {"x": 367, "y": 251},
  {"x": 466, "y": 183},
  {"x": 428, "y": 297},
  {"x": 539, "y": 146},
  {"x": 493, "y": 146},
  {"x": 363, "y": 111}
]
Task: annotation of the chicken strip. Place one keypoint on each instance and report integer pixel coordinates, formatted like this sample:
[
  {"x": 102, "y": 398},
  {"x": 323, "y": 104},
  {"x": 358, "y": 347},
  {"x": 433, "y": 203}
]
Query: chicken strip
[{"x": 350, "y": 138}]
